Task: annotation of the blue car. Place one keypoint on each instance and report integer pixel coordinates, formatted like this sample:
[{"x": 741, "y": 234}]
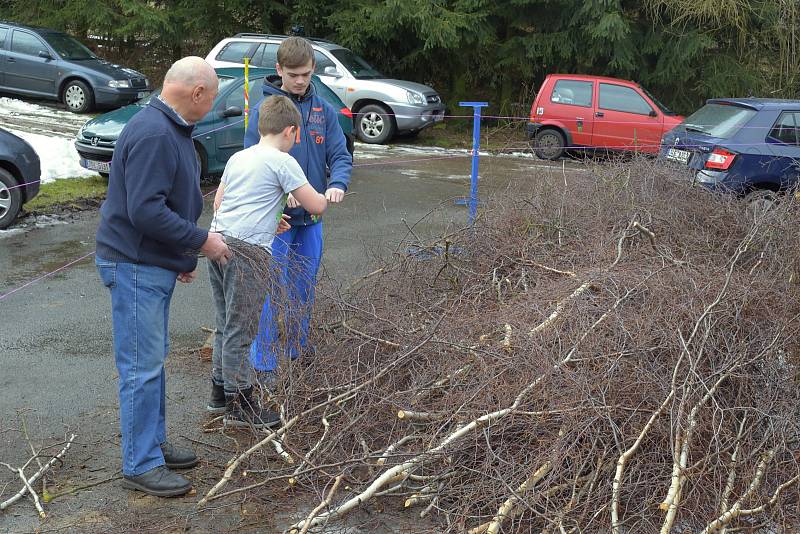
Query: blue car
[{"x": 748, "y": 146}]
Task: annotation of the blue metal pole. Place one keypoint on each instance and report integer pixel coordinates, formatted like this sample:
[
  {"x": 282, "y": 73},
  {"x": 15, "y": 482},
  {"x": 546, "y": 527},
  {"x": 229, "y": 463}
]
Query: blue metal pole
[{"x": 476, "y": 145}]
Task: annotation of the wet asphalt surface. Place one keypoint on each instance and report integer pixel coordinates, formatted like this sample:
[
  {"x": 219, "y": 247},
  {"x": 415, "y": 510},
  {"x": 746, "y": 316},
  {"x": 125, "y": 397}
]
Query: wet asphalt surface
[{"x": 56, "y": 365}]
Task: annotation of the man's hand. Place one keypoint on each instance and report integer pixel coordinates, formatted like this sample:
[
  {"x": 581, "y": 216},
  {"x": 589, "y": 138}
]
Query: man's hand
[
  {"x": 215, "y": 248},
  {"x": 283, "y": 224},
  {"x": 187, "y": 278},
  {"x": 292, "y": 202},
  {"x": 334, "y": 195}
]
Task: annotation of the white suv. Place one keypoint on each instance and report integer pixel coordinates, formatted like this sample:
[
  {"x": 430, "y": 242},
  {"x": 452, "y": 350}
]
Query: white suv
[{"x": 381, "y": 107}]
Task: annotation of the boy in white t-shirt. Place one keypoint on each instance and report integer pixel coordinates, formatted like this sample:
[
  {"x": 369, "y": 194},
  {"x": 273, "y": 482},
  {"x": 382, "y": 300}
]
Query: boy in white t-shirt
[{"x": 248, "y": 211}]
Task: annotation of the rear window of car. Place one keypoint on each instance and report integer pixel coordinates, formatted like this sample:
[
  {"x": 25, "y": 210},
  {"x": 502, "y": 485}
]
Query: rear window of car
[
  {"x": 3, "y": 33},
  {"x": 718, "y": 120},
  {"x": 572, "y": 92},
  {"x": 266, "y": 55},
  {"x": 235, "y": 51}
]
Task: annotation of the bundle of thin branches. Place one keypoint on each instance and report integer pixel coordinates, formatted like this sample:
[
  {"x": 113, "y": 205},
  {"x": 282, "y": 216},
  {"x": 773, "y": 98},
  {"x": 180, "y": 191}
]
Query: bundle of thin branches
[{"x": 615, "y": 352}]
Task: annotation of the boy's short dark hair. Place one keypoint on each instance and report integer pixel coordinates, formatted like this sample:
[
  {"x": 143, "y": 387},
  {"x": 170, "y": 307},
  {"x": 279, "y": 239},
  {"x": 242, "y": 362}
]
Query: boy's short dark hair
[
  {"x": 295, "y": 52},
  {"x": 276, "y": 113}
]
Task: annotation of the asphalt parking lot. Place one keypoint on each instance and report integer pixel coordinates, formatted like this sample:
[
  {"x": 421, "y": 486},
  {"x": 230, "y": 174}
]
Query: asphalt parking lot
[{"x": 58, "y": 371}]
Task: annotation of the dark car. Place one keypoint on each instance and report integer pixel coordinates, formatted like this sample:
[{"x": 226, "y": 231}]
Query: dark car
[
  {"x": 217, "y": 136},
  {"x": 749, "y": 146},
  {"x": 50, "y": 64},
  {"x": 19, "y": 176}
]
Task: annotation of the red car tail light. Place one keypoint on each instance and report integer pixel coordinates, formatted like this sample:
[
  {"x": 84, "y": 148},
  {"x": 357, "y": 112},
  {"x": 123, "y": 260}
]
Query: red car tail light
[
  {"x": 346, "y": 112},
  {"x": 720, "y": 159}
]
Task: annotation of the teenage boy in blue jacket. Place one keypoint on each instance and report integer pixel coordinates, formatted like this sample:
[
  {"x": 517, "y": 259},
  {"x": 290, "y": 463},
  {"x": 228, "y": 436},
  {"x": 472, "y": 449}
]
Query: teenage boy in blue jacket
[{"x": 320, "y": 145}]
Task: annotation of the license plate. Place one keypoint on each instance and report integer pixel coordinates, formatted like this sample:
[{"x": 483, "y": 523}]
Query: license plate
[
  {"x": 99, "y": 166},
  {"x": 438, "y": 118},
  {"x": 681, "y": 156},
  {"x": 142, "y": 94}
]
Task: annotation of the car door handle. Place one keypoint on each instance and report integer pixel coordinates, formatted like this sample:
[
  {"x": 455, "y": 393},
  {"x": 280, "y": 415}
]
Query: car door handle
[
  {"x": 12, "y": 60},
  {"x": 599, "y": 114}
]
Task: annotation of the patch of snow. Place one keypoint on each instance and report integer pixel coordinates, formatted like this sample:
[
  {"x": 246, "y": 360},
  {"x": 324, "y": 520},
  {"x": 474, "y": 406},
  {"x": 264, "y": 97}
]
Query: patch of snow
[
  {"x": 39, "y": 221},
  {"x": 57, "y": 155},
  {"x": 9, "y": 106},
  {"x": 14, "y": 106}
]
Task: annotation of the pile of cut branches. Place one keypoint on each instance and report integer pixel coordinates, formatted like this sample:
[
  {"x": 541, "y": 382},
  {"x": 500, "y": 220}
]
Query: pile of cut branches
[{"x": 610, "y": 353}]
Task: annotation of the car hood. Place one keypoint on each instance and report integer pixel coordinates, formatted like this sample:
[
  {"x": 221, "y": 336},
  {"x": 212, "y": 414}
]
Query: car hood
[
  {"x": 403, "y": 84},
  {"x": 109, "y": 125},
  {"x": 113, "y": 71}
]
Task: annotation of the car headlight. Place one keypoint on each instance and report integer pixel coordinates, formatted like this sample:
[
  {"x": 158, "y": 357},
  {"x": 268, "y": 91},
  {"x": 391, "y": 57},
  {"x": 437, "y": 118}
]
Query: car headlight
[
  {"x": 119, "y": 83},
  {"x": 415, "y": 98}
]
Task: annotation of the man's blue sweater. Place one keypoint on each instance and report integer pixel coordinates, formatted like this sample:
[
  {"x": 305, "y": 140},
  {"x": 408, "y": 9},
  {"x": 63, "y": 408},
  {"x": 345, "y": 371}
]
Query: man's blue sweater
[
  {"x": 321, "y": 144},
  {"x": 154, "y": 200}
]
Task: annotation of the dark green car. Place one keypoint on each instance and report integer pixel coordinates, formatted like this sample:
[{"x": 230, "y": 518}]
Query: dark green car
[{"x": 216, "y": 138}]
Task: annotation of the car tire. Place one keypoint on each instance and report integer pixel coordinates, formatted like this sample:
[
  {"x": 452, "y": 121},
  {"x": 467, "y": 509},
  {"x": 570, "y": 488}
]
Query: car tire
[
  {"x": 78, "y": 97},
  {"x": 375, "y": 124},
  {"x": 760, "y": 201},
  {"x": 10, "y": 199},
  {"x": 549, "y": 144}
]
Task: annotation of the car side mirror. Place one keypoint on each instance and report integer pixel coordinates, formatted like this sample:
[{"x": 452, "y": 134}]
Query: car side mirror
[
  {"x": 332, "y": 71},
  {"x": 233, "y": 111},
  {"x": 45, "y": 54},
  {"x": 653, "y": 113}
]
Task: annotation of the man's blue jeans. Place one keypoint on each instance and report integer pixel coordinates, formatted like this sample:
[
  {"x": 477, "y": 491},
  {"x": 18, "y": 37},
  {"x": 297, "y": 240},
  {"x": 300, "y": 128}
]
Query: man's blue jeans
[
  {"x": 297, "y": 253},
  {"x": 140, "y": 297}
]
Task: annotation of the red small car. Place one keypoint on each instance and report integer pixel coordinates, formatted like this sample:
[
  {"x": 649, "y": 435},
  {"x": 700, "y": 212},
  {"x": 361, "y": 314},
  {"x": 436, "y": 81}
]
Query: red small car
[{"x": 575, "y": 111}]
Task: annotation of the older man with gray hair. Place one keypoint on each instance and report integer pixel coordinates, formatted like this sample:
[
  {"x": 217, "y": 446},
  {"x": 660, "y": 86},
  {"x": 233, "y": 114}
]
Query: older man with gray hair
[{"x": 147, "y": 239}]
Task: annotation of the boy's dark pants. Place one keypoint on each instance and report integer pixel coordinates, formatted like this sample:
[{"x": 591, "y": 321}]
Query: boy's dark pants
[{"x": 238, "y": 289}]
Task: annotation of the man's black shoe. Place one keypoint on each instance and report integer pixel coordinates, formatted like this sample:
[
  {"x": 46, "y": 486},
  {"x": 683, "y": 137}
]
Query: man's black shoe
[
  {"x": 175, "y": 458},
  {"x": 217, "y": 402},
  {"x": 243, "y": 411},
  {"x": 159, "y": 481}
]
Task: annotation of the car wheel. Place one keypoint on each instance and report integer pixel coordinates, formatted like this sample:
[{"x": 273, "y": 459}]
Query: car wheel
[
  {"x": 78, "y": 97},
  {"x": 375, "y": 124},
  {"x": 549, "y": 144},
  {"x": 760, "y": 201},
  {"x": 10, "y": 199}
]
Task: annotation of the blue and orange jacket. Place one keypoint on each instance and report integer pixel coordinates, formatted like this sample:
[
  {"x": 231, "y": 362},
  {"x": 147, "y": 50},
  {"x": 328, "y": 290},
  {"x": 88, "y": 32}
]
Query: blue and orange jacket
[{"x": 321, "y": 144}]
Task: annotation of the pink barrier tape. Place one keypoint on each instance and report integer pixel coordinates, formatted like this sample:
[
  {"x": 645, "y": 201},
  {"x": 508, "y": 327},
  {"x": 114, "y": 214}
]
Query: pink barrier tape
[
  {"x": 23, "y": 185},
  {"x": 47, "y": 275},
  {"x": 411, "y": 160}
]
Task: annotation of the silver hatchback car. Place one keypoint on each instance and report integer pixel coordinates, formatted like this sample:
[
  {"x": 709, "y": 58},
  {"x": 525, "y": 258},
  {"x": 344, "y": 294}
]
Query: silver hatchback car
[{"x": 382, "y": 107}]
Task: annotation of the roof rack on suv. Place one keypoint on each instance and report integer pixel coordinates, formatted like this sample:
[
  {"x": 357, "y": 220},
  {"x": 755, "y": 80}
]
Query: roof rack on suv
[{"x": 275, "y": 36}]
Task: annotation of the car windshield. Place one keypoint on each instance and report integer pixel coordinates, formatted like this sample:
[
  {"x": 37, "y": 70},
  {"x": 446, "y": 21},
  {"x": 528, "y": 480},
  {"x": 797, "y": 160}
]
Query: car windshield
[
  {"x": 664, "y": 109},
  {"x": 718, "y": 120},
  {"x": 67, "y": 47},
  {"x": 357, "y": 65}
]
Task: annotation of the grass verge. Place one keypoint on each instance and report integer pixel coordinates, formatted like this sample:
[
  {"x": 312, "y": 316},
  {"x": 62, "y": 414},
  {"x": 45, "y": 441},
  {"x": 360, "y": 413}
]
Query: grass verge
[{"x": 73, "y": 193}]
